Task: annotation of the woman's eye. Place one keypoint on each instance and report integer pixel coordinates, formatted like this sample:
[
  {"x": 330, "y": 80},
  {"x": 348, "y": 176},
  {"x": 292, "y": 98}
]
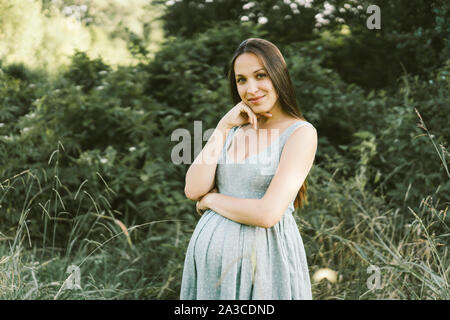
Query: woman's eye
[{"x": 258, "y": 76}]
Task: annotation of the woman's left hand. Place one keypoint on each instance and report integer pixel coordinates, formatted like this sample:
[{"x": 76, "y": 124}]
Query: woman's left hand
[{"x": 201, "y": 204}]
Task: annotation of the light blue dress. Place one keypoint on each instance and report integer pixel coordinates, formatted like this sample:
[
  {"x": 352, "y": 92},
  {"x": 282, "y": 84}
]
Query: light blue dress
[{"x": 233, "y": 261}]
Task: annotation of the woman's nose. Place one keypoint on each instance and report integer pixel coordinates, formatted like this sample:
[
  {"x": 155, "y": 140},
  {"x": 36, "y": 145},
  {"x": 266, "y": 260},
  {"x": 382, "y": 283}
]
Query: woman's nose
[{"x": 252, "y": 86}]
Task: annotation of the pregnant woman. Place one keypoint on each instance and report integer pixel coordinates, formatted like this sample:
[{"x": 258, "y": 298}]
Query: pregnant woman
[{"x": 247, "y": 181}]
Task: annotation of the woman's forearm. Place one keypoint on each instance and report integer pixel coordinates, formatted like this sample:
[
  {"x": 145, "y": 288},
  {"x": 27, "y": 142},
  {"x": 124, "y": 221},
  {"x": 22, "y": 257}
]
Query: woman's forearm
[
  {"x": 200, "y": 177},
  {"x": 245, "y": 211}
]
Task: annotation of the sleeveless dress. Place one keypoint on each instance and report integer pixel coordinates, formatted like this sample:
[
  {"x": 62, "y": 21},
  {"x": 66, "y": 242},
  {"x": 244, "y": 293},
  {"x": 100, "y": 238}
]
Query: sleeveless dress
[{"x": 227, "y": 260}]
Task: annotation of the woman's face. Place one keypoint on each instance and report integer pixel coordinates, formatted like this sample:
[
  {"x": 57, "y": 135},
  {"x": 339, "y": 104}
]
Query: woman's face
[{"x": 253, "y": 83}]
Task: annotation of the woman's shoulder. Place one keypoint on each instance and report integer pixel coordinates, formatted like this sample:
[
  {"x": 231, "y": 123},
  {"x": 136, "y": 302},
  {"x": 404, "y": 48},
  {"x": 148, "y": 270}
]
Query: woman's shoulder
[
  {"x": 296, "y": 123},
  {"x": 300, "y": 130},
  {"x": 301, "y": 122}
]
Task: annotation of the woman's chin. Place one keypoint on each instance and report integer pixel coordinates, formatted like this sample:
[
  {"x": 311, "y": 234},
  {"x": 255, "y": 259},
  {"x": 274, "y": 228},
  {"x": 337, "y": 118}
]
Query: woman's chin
[{"x": 261, "y": 111}]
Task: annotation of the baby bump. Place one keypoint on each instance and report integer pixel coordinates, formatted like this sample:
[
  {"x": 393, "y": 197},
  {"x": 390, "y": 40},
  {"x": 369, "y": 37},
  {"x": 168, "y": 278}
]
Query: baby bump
[
  {"x": 211, "y": 233},
  {"x": 219, "y": 241}
]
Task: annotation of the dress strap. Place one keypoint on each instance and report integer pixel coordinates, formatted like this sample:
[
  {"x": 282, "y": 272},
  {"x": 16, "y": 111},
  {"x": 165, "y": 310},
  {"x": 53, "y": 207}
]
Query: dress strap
[
  {"x": 296, "y": 125},
  {"x": 287, "y": 133},
  {"x": 228, "y": 140},
  {"x": 230, "y": 136}
]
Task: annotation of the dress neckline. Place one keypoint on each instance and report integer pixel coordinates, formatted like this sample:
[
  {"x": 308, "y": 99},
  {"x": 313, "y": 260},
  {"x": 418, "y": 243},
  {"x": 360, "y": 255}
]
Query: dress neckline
[{"x": 265, "y": 149}]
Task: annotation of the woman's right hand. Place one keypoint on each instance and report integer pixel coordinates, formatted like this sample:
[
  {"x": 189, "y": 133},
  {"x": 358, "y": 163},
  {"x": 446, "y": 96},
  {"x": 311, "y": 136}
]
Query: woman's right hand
[{"x": 241, "y": 114}]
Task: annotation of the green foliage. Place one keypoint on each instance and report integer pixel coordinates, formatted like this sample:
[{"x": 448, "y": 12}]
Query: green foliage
[
  {"x": 190, "y": 17},
  {"x": 347, "y": 228},
  {"x": 87, "y": 176},
  {"x": 404, "y": 150},
  {"x": 54, "y": 29},
  {"x": 413, "y": 34},
  {"x": 18, "y": 90},
  {"x": 85, "y": 72},
  {"x": 412, "y": 37}
]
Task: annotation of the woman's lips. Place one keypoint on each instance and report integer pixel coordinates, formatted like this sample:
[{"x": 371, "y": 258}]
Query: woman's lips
[{"x": 256, "y": 100}]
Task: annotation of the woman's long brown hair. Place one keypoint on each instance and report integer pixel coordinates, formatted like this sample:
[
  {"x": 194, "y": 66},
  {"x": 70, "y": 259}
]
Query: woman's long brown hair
[{"x": 275, "y": 65}]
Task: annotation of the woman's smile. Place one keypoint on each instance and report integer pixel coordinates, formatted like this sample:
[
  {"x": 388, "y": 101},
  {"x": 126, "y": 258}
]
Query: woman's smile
[{"x": 256, "y": 100}]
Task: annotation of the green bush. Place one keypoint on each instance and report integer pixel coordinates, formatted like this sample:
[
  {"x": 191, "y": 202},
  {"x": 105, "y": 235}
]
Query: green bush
[
  {"x": 404, "y": 154},
  {"x": 88, "y": 155}
]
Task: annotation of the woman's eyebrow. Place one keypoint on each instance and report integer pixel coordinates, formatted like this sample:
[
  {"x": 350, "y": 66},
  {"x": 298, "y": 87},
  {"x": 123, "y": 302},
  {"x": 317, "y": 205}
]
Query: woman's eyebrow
[{"x": 253, "y": 71}]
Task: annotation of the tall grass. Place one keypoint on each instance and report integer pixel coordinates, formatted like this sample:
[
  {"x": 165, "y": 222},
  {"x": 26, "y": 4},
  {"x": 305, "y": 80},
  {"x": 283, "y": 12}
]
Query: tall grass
[
  {"x": 99, "y": 260},
  {"x": 351, "y": 230},
  {"x": 345, "y": 228}
]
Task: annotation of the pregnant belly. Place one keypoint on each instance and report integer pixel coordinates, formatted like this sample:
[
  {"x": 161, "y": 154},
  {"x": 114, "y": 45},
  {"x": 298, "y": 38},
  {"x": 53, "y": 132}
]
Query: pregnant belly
[
  {"x": 221, "y": 242},
  {"x": 213, "y": 230}
]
